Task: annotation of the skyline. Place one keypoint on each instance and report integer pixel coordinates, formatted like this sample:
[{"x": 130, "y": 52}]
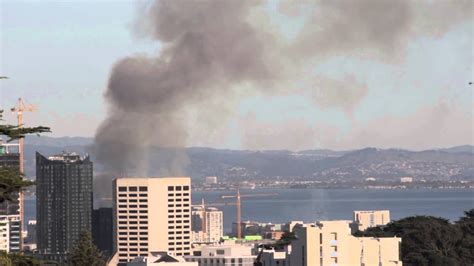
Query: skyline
[{"x": 425, "y": 89}]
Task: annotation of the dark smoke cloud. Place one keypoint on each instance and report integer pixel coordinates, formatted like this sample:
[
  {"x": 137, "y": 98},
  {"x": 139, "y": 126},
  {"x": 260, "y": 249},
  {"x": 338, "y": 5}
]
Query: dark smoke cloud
[
  {"x": 211, "y": 47},
  {"x": 208, "y": 46},
  {"x": 375, "y": 29}
]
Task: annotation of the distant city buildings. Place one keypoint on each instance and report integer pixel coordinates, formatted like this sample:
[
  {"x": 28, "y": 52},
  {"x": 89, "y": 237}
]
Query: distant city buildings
[
  {"x": 151, "y": 215},
  {"x": 265, "y": 230},
  {"x": 64, "y": 201},
  {"x": 331, "y": 243},
  {"x": 11, "y": 210},
  {"x": 30, "y": 242},
  {"x": 406, "y": 179},
  {"x": 102, "y": 230},
  {"x": 207, "y": 224},
  {"x": 366, "y": 219},
  {"x": 210, "y": 180}
]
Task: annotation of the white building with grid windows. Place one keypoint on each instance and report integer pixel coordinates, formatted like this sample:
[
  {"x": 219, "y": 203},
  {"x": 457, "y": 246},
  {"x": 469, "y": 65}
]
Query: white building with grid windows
[
  {"x": 207, "y": 224},
  {"x": 151, "y": 215}
]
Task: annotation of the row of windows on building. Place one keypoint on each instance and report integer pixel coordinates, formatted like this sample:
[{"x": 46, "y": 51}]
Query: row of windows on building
[
  {"x": 133, "y": 189},
  {"x": 178, "y": 188},
  {"x": 222, "y": 260}
]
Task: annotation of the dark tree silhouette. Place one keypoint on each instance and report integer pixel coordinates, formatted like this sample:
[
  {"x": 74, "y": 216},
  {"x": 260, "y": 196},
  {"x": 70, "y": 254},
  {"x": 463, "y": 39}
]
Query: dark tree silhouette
[
  {"x": 86, "y": 253},
  {"x": 11, "y": 180}
]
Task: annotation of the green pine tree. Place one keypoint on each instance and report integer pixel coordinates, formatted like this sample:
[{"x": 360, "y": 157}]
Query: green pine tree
[
  {"x": 86, "y": 253},
  {"x": 11, "y": 180}
]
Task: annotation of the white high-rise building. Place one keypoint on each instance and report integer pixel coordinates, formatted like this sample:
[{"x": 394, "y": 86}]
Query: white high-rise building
[
  {"x": 367, "y": 219},
  {"x": 207, "y": 224},
  {"x": 151, "y": 215}
]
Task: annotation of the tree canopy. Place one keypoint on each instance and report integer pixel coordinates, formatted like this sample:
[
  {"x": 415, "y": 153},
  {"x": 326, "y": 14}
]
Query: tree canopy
[
  {"x": 13, "y": 132},
  {"x": 11, "y": 180},
  {"x": 86, "y": 253},
  {"x": 433, "y": 241}
]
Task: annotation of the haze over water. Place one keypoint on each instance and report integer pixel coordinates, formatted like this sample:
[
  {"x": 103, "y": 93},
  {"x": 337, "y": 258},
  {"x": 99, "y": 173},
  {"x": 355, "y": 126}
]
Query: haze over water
[{"x": 329, "y": 204}]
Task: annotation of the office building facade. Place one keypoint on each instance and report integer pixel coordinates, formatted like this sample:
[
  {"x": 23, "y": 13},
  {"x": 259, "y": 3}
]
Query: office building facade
[
  {"x": 64, "y": 201},
  {"x": 151, "y": 215}
]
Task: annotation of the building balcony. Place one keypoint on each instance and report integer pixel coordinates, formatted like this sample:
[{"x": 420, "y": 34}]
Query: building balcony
[
  {"x": 333, "y": 243},
  {"x": 333, "y": 254}
]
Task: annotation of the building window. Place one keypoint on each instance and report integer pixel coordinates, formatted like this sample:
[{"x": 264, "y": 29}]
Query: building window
[
  {"x": 122, "y": 189},
  {"x": 170, "y": 188},
  {"x": 143, "y": 188},
  {"x": 132, "y": 188}
]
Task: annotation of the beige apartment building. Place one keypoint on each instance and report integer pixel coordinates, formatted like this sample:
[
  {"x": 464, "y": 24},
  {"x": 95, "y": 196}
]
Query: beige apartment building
[
  {"x": 331, "y": 243},
  {"x": 151, "y": 215},
  {"x": 366, "y": 219}
]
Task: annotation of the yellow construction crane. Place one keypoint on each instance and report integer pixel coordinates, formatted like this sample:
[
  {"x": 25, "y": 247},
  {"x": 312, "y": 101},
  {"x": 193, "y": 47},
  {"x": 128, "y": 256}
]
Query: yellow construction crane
[
  {"x": 19, "y": 109},
  {"x": 238, "y": 205}
]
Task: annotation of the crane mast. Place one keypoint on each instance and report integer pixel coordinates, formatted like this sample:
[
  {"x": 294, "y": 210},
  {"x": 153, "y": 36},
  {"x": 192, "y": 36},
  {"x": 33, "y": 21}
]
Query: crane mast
[
  {"x": 19, "y": 109},
  {"x": 238, "y": 206}
]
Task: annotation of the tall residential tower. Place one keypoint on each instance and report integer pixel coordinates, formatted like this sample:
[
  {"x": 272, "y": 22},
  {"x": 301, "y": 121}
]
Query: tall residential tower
[{"x": 63, "y": 201}]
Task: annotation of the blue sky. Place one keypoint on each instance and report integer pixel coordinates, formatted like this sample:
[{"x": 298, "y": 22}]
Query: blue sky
[{"x": 58, "y": 56}]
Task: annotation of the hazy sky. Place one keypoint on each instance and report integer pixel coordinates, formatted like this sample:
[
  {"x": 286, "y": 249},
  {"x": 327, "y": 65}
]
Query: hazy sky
[{"x": 59, "y": 55}]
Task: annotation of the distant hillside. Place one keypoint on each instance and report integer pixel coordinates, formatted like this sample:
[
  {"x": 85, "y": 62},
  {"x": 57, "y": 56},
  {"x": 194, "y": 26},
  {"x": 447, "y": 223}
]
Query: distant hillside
[
  {"x": 385, "y": 164},
  {"x": 460, "y": 149}
]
